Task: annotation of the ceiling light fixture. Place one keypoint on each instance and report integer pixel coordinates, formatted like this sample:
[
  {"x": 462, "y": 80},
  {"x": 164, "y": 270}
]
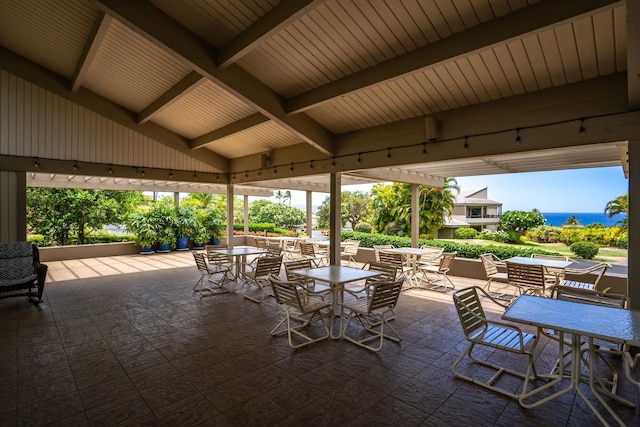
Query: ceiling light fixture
[
  {"x": 518, "y": 139},
  {"x": 424, "y": 149},
  {"x": 311, "y": 164},
  {"x": 359, "y": 159},
  {"x": 75, "y": 166},
  {"x": 582, "y": 132},
  {"x": 466, "y": 144},
  {"x": 36, "y": 164},
  {"x": 389, "y": 153},
  {"x": 171, "y": 175}
]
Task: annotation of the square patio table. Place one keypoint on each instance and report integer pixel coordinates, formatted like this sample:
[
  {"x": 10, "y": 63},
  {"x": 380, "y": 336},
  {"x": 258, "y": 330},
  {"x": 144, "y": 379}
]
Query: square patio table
[
  {"x": 337, "y": 276},
  {"x": 239, "y": 253},
  {"x": 580, "y": 320},
  {"x": 412, "y": 256}
]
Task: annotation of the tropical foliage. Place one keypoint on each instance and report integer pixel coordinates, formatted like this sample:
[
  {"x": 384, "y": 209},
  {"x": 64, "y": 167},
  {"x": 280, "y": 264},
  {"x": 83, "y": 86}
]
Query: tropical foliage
[
  {"x": 59, "y": 213},
  {"x": 391, "y": 207},
  {"x": 617, "y": 206},
  {"x": 517, "y": 223},
  {"x": 280, "y": 214},
  {"x": 354, "y": 208}
]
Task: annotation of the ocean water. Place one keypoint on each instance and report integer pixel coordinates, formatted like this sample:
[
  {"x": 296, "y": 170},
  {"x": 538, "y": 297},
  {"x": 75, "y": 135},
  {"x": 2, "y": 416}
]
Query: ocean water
[{"x": 585, "y": 218}]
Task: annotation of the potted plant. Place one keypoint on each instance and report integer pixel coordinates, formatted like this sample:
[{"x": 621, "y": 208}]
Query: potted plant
[
  {"x": 200, "y": 236},
  {"x": 185, "y": 226},
  {"x": 140, "y": 223},
  {"x": 163, "y": 217},
  {"x": 213, "y": 221}
]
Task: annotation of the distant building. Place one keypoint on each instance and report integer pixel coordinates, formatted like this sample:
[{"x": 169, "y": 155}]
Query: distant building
[{"x": 472, "y": 209}]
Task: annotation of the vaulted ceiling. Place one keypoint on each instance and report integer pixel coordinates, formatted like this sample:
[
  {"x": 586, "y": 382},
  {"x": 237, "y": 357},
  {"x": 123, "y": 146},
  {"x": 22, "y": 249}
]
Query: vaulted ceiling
[{"x": 269, "y": 92}]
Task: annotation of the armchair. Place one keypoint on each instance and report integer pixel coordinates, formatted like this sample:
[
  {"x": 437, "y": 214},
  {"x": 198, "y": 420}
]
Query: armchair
[{"x": 21, "y": 273}]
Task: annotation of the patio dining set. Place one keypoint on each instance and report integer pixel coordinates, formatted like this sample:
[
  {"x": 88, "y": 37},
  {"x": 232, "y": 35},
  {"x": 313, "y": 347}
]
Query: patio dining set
[{"x": 321, "y": 301}]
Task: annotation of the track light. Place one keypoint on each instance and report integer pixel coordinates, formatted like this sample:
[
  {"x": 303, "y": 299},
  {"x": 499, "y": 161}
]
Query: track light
[
  {"x": 75, "y": 166},
  {"x": 171, "y": 175},
  {"x": 36, "y": 164},
  {"x": 110, "y": 170},
  {"x": 195, "y": 176}
]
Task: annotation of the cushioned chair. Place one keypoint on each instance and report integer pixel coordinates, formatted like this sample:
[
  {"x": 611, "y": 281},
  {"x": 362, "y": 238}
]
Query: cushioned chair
[
  {"x": 373, "y": 313},
  {"x": 301, "y": 311},
  {"x": 21, "y": 273},
  {"x": 480, "y": 331}
]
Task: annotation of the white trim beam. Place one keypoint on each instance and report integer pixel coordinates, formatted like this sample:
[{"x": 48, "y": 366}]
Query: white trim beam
[
  {"x": 515, "y": 25},
  {"x": 398, "y": 175},
  {"x": 91, "y": 49},
  {"x": 266, "y": 27},
  {"x": 163, "y": 31},
  {"x": 190, "y": 82}
]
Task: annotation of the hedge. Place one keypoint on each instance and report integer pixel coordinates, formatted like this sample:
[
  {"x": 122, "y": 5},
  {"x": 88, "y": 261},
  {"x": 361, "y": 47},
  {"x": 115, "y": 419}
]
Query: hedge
[{"x": 464, "y": 250}]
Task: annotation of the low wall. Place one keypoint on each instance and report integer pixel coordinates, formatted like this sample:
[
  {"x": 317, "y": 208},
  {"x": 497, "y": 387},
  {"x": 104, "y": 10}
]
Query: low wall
[{"x": 463, "y": 267}]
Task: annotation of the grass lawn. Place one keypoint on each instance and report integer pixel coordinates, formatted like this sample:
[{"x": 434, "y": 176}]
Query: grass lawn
[{"x": 610, "y": 255}]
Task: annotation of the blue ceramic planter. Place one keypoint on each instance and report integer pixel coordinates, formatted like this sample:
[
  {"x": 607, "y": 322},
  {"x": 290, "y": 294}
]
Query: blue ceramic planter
[
  {"x": 164, "y": 247},
  {"x": 182, "y": 244}
]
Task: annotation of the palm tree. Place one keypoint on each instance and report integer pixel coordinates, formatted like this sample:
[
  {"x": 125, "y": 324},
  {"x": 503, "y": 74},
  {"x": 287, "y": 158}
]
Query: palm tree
[
  {"x": 283, "y": 196},
  {"x": 619, "y": 205}
]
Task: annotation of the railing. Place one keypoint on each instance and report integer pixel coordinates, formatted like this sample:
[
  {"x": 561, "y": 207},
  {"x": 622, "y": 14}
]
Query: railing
[{"x": 483, "y": 216}]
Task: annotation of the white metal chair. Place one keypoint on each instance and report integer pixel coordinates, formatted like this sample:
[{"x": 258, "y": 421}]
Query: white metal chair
[
  {"x": 372, "y": 313},
  {"x": 607, "y": 299},
  {"x": 490, "y": 262},
  {"x": 258, "y": 276},
  {"x": 378, "y": 248},
  {"x": 217, "y": 267},
  {"x": 350, "y": 250},
  {"x": 301, "y": 311},
  {"x": 589, "y": 276},
  {"x": 312, "y": 288},
  {"x": 480, "y": 331},
  {"x": 440, "y": 270},
  {"x": 553, "y": 274},
  {"x": 308, "y": 251},
  {"x": 529, "y": 279}
]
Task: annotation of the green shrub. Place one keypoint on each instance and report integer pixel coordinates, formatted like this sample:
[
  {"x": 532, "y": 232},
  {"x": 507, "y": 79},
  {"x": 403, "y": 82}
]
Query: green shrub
[
  {"x": 363, "y": 227},
  {"x": 623, "y": 242},
  {"x": 466, "y": 233},
  {"x": 586, "y": 250},
  {"x": 595, "y": 225},
  {"x": 600, "y": 236},
  {"x": 258, "y": 227},
  {"x": 464, "y": 250},
  {"x": 544, "y": 234}
]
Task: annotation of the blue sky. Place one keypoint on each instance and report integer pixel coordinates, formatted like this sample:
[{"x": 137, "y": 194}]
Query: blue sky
[{"x": 576, "y": 190}]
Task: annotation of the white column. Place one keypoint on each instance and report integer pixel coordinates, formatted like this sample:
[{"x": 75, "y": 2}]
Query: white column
[
  {"x": 415, "y": 215},
  {"x": 230, "y": 215},
  {"x": 246, "y": 215},
  {"x": 335, "y": 217},
  {"x": 633, "y": 280},
  {"x": 309, "y": 195}
]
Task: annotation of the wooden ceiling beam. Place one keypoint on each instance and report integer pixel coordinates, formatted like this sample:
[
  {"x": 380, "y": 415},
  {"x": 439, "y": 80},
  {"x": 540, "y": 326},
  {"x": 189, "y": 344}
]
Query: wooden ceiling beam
[
  {"x": 515, "y": 25},
  {"x": 263, "y": 29},
  {"x": 91, "y": 48},
  {"x": 163, "y": 31},
  {"x": 190, "y": 82}
]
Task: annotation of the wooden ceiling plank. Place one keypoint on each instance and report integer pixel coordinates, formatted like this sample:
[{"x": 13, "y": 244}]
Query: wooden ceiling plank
[
  {"x": 264, "y": 28},
  {"x": 514, "y": 25},
  {"x": 162, "y": 30},
  {"x": 190, "y": 82},
  {"x": 91, "y": 48}
]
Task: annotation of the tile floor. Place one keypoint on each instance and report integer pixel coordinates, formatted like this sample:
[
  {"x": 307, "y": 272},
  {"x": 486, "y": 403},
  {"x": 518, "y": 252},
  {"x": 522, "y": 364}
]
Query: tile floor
[{"x": 124, "y": 341}]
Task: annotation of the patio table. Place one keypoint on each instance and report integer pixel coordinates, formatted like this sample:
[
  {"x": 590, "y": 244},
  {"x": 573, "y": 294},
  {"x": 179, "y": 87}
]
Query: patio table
[
  {"x": 580, "y": 320},
  {"x": 337, "y": 276},
  {"x": 239, "y": 254},
  {"x": 413, "y": 256}
]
